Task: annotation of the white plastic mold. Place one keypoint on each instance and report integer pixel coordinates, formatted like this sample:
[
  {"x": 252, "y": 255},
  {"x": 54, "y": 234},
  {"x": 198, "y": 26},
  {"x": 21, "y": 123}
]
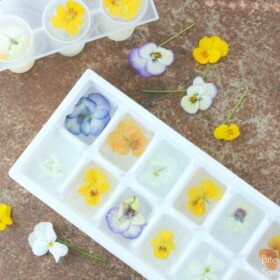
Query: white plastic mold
[
  {"x": 163, "y": 210},
  {"x": 100, "y": 26}
]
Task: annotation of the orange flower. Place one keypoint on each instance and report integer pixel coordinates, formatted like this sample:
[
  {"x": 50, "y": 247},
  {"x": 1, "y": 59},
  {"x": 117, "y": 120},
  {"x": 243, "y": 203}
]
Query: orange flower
[{"x": 127, "y": 137}]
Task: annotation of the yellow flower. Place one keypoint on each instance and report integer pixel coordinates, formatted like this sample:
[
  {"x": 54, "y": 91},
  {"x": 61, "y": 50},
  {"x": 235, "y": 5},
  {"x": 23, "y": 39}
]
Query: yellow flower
[
  {"x": 200, "y": 195},
  {"x": 227, "y": 132},
  {"x": 163, "y": 244},
  {"x": 96, "y": 185},
  {"x": 69, "y": 17},
  {"x": 210, "y": 50},
  {"x": 127, "y": 137},
  {"x": 5, "y": 216},
  {"x": 123, "y": 9}
]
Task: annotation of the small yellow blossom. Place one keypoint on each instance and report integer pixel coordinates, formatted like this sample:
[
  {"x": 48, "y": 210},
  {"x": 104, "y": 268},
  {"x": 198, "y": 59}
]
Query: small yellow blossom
[
  {"x": 69, "y": 17},
  {"x": 127, "y": 137},
  {"x": 123, "y": 9},
  {"x": 96, "y": 184},
  {"x": 199, "y": 196},
  {"x": 163, "y": 244},
  {"x": 226, "y": 132},
  {"x": 5, "y": 216},
  {"x": 210, "y": 50}
]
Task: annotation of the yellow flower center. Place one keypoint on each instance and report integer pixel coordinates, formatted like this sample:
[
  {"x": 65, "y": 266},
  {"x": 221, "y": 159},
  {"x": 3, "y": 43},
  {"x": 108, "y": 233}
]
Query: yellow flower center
[
  {"x": 162, "y": 249},
  {"x": 230, "y": 132},
  {"x": 94, "y": 193},
  {"x": 116, "y": 2},
  {"x": 71, "y": 14},
  {"x": 207, "y": 269},
  {"x": 156, "y": 173},
  {"x": 51, "y": 244},
  {"x": 157, "y": 55},
  {"x": 204, "y": 54}
]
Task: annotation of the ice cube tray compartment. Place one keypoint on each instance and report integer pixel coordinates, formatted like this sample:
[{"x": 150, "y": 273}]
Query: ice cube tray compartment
[
  {"x": 162, "y": 210},
  {"x": 100, "y": 26}
]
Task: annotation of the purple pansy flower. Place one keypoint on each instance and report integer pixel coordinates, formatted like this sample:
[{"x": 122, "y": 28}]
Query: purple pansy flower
[
  {"x": 126, "y": 220},
  {"x": 150, "y": 60},
  {"x": 90, "y": 115}
]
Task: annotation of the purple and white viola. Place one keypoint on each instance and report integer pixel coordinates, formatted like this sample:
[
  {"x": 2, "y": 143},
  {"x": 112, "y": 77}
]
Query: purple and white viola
[
  {"x": 126, "y": 220},
  {"x": 90, "y": 115},
  {"x": 150, "y": 60}
]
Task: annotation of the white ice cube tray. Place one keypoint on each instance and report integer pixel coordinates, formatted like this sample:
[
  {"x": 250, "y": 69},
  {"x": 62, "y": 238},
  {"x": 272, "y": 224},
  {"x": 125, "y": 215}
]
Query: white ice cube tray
[
  {"x": 31, "y": 12},
  {"x": 163, "y": 209}
]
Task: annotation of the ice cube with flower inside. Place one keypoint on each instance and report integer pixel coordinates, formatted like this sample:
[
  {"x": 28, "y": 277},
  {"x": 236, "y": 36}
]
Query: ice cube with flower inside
[
  {"x": 199, "y": 96},
  {"x": 150, "y": 60}
]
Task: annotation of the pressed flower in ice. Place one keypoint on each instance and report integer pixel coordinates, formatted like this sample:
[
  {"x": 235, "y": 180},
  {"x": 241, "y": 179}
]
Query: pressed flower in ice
[
  {"x": 69, "y": 17},
  {"x": 270, "y": 257},
  {"x": 226, "y": 132},
  {"x": 43, "y": 240},
  {"x": 51, "y": 167},
  {"x": 90, "y": 115},
  {"x": 199, "y": 196},
  {"x": 5, "y": 216},
  {"x": 150, "y": 60},
  {"x": 237, "y": 220},
  {"x": 210, "y": 50},
  {"x": 207, "y": 269},
  {"x": 163, "y": 244},
  {"x": 126, "y": 138},
  {"x": 160, "y": 170},
  {"x": 96, "y": 184},
  {"x": 123, "y": 9},
  {"x": 199, "y": 96},
  {"x": 126, "y": 219}
]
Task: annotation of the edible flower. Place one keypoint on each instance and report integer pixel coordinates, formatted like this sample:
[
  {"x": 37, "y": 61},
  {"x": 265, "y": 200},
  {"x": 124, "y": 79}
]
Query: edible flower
[
  {"x": 159, "y": 171},
  {"x": 51, "y": 167},
  {"x": 127, "y": 137},
  {"x": 90, "y": 116},
  {"x": 69, "y": 17},
  {"x": 238, "y": 219},
  {"x": 230, "y": 132},
  {"x": 5, "y": 216},
  {"x": 200, "y": 196},
  {"x": 199, "y": 96},
  {"x": 151, "y": 59},
  {"x": 126, "y": 219},
  {"x": 123, "y": 9},
  {"x": 96, "y": 184},
  {"x": 270, "y": 257},
  {"x": 44, "y": 239},
  {"x": 206, "y": 269},
  {"x": 210, "y": 50},
  {"x": 163, "y": 244}
]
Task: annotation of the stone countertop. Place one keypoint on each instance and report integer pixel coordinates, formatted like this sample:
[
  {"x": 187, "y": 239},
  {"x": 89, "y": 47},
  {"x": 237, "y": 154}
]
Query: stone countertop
[{"x": 252, "y": 29}]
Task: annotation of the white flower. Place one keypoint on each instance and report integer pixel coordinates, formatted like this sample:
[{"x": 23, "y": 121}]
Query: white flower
[
  {"x": 43, "y": 239},
  {"x": 159, "y": 171},
  {"x": 237, "y": 219},
  {"x": 205, "y": 270},
  {"x": 51, "y": 167},
  {"x": 199, "y": 96}
]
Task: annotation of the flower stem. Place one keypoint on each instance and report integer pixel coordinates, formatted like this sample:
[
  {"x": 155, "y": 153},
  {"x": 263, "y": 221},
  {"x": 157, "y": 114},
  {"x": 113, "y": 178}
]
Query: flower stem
[
  {"x": 245, "y": 93},
  {"x": 77, "y": 250},
  {"x": 207, "y": 70},
  {"x": 177, "y": 34},
  {"x": 162, "y": 91}
]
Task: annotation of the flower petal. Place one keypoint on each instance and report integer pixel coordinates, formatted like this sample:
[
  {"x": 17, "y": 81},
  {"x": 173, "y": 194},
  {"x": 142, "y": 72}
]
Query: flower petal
[
  {"x": 114, "y": 223},
  {"x": 215, "y": 263},
  {"x": 201, "y": 55},
  {"x": 103, "y": 105},
  {"x": 85, "y": 127},
  {"x": 97, "y": 126},
  {"x": 195, "y": 90},
  {"x": 40, "y": 247},
  {"x": 155, "y": 67},
  {"x": 138, "y": 220},
  {"x": 210, "y": 90},
  {"x": 198, "y": 81},
  {"x": 58, "y": 250},
  {"x": 167, "y": 56},
  {"x": 43, "y": 230},
  {"x": 137, "y": 62},
  {"x": 211, "y": 191},
  {"x": 133, "y": 232},
  {"x": 146, "y": 50},
  {"x": 205, "y": 43},
  {"x": 72, "y": 125},
  {"x": 188, "y": 106},
  {"x": 214, "y": 56},
  {"x": 204, "y": 102}
]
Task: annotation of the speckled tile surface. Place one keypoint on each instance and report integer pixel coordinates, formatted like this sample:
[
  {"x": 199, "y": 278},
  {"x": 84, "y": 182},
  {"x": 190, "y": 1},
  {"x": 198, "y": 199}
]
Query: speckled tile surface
[{"x": 253, "y": 30}]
